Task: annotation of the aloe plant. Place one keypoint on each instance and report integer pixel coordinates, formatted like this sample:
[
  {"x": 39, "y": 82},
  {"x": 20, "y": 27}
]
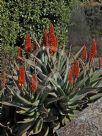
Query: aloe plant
[
  {"x": 56, "y": 101},
  {"x": 41, "y": 93}
]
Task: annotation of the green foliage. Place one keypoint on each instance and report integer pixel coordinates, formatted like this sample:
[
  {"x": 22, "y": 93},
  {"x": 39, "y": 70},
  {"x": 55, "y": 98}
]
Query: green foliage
[
  {"x": 33, "y": 16},
  {"x": 9, "y": 28},
  {"x": 56, "y": 101}
]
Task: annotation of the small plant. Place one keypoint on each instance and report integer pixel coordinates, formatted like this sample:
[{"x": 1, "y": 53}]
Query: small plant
[{"x": 50, "y": 88}]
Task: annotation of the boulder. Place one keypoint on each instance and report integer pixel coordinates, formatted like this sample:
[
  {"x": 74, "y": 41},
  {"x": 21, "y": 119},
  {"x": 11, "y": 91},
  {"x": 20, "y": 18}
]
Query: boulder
[{"x": 88, "y": 123}]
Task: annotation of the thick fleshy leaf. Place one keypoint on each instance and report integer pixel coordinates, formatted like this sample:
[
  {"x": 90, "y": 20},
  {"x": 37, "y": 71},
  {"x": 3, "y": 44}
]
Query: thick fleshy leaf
[{"x": 38, "y": 126}]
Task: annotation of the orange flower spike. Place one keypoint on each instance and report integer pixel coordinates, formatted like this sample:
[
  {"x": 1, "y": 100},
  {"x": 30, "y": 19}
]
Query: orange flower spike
[
  {"x": 100, "y": 61},
  {"x": 21, "y": 77},
  {"x": 51, "y": 35},
  {"x": 28, "y": 45},
  {"x": 70, "y": 77},
  {"x": 51, "y": 29},
  {"x": 19, "y": 54},
  {"x": 84, "y": 54},
  {"x": 34, "y": 83},
  {"x": 93, "y": 51},
  {"x": 45, "y": 39},
  {"x": 51, "y": 32},
  {"x": 54, "y": 45},
  {"x": 53, "y": 41},
  {"x": 76, "y": 69}
]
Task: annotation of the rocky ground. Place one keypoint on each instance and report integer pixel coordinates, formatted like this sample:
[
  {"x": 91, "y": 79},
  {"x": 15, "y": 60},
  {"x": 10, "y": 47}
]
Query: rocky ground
[{"x": 89, "y": 122}]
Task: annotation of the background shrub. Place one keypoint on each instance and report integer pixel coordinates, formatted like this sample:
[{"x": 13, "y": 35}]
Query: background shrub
[{"x": 34, "y": 16}]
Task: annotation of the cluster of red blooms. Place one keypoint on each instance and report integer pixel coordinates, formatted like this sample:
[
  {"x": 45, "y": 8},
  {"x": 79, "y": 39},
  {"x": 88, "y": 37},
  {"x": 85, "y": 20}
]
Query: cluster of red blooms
[
  {"x": 74, "y": 72},
  {"x": 84, "y": 54},
  {"x": 50, "y": 40},
  {"x": 75, "y": 68},
  {"x": 28, "y": 45},
  {"x": 22, "y": 77},
  {"x": 34, "y": 82},
  {"x": 19, "y": 54},
  {"x": 93, "y": 51}
]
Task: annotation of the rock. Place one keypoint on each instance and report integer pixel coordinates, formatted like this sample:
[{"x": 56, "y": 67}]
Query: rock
[
  {"x": 89, "y": 122},
  {"x": 79, "y": 32},
  {"x": 86, "y": 23}
]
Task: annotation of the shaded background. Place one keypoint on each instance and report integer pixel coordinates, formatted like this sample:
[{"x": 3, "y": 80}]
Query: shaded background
[{"x": 86, "y": 23}]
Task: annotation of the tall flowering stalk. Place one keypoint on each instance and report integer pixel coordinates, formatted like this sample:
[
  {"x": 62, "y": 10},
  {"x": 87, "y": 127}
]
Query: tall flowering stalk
[
  {"x": 53, "y": 44},
  {"x": 74, "y": 72},
  {"x": 21, "y": 77},
  {"x": 51, "y": 29},
  {"x": 84, "y": 54},
  {"x": 34, "y": 83},
  {"x": 70, "y": 77},
  {"x": 53, "y": 41},
  {"x": 76, "y": 69},
  {"x": 19, "y": 54},
  {"x": 28, "y": 45},
  {"x": 50, "y": 40},
  {"x": 93, "y": 51}
]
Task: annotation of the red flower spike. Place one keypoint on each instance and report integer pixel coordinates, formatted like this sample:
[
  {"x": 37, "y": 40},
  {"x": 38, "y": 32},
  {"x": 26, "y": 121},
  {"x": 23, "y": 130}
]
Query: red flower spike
[
  {"x": 19, "y": 54},
  {"x": 70, "y": 77},
  {"x": 28, "y": 45},
  {"x": 21, "y": 77},
  {"x": 34, "y": 83},
  {"x": 76, "y": 69},
  {"x": 100, "y": 61},
  {"x": 93, "y": 51},
  {"x": 53, "y": 45},
  {"x": 84, "y": 54},
  {"x": 50, "y": 40},
  {"x": 51, "y": 29},
  {"x": 46, "y": 39}
]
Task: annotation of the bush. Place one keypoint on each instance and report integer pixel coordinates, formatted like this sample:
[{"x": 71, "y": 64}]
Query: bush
[{"x": 34, "y": 16}]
